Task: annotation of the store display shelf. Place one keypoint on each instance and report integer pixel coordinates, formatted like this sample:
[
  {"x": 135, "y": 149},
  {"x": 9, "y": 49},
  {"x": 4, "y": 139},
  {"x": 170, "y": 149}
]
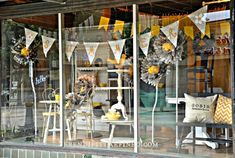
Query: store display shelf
[
  {"x": 91, "y": 68},
  {"x": 111, "y": 88}
]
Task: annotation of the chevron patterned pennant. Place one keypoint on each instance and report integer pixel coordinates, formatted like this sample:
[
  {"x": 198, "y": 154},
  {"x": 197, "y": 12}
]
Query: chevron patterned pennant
[{"x": 223, "y": 112}]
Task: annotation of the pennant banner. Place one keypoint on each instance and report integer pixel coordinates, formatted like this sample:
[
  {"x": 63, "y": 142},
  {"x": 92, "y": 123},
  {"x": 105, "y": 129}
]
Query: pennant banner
[
  {"x": 86, "y": 22},
  {"x": 47, "y": 42},
  {"x": 91, "y": 20},
  {"x": 133, "y": 27},
  {"x": 155, "y": 30},
  {"x": 118, "y": 26},
  {"x": 188, "y": 30},
  {"x": 69, "y": 48},
  {"x": 225, "y": 28},
  {"x": 91, "y": 48},
  {"x": 144, "y": 42},
  {"x": 199, "y": 18},
  {"x": 117, "y": 47},
  {"x": 171, "y": 32},
  {"x": 207, "y": 32},
  {"x": 104, "y": 22},
  {"x": 30, "y": 36}
]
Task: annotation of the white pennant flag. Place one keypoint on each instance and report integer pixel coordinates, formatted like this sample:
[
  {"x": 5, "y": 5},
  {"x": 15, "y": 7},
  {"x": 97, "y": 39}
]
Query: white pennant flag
[
  {"x": 144, "y": 42},
  {"x": 91, "y": 20},
  {"x": 171, "y": 32},
  {"x": 30, "y": 36},
  {"x": 199, "y": 18},
  {"x": 91, "y": 48},
  {"x": 47, "y": 42},
  {"x": 69, "y": 48},
  {"x": 117, "y": 47}
]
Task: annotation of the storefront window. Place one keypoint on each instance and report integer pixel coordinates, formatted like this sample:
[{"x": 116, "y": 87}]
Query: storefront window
[
  {"x": 99, "y": 84},
  {"x": 29, "y": 80},
  {"x": 188, "y": 61}
]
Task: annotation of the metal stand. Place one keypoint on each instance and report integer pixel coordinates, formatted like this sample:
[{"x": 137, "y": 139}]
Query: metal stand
[{"x": 154, "y": 107}]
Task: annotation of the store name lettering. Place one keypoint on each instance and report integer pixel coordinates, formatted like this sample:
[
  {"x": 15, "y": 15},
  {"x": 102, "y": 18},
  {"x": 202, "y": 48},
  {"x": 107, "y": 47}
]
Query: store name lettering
[{"x": 200, "y": 107}]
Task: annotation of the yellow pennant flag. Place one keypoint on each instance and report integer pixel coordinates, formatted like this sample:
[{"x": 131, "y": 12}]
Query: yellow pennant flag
[
  {"x": 225, "y": 28},
  {"x": 118, "y": 26},
  {"x": 155, "y": 30},
  {"x": 188, "y": 30},
  {"x": 207, "y": 32},
  {"x": 104, "y": 22},
  {"x": 132, "y": 29}
]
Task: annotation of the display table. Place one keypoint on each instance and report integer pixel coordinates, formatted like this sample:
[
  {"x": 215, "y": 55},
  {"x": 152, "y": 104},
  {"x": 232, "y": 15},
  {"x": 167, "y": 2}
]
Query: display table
[
  {"x": 121, "y": 140},
  {"x": 54, "y": 129},
  {"x": 200, "y": 132}
]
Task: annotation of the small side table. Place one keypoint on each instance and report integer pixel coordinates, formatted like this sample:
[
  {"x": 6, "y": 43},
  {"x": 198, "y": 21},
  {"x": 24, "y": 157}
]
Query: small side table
[
  {"x": 121, "y": 140},
  {"x": 54, "y": 129}
]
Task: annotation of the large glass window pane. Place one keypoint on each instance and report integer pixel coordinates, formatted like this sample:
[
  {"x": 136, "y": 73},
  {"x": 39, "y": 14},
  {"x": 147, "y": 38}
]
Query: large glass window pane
[
  {"x": 188, "y": 60},
  {"x": 30, "y": 80},
  {"x": 99, "y": 86}
]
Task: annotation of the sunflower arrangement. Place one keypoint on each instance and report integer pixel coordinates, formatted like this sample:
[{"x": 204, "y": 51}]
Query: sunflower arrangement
[
  {"x": 162, "y": 54},
  {"x": 23, "y": 55},
  {"x": 153, "y": 69},
  {"x": 205, "y": 45},
  {"x": 166, "y": 51}
]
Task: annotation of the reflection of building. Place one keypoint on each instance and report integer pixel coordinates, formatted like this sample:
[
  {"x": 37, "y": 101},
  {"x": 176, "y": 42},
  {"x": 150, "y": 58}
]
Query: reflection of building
[{"x": 80, "y": 22}]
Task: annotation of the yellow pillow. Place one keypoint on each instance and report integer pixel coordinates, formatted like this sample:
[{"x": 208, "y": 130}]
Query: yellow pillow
[{"x": 223, "y": 112}]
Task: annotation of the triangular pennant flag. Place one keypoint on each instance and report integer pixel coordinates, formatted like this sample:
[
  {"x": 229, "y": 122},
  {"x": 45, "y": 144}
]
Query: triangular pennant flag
[
  {"x": 30, "y": 36},
  {"x": 91, "y": 20},
  {"x": 104, "y": 22},
  {"x": 171, "y": 32},
  {"x": 225, "y": 28},
  {"x": 207, "y": 32},
  {"x": 91, "y": 48},
  {"x": 133, "y": 27},
  {"x": 144, "y": 42},
  {"x": 155, "y": 30},
  {"x": 118, "y": 26},
  {"x": 47, "y": 42},
  {"x": 86, "y": 22},
  {"x": 117, "y": 47},
  {"x": 199, "y": 18},
  {"x": 69, "y": 48},
  {"x": 188, "y": 30}
]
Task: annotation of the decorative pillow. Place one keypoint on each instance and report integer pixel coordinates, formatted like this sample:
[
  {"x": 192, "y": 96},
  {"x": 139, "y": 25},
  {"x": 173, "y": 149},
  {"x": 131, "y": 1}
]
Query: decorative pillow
[
  {"x": 223, "y": 112},
  {"x": 199, "y": 109}
]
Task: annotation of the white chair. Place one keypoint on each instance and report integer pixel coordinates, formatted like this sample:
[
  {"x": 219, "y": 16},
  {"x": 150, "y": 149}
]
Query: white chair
[{"x": 48, "y": 96}]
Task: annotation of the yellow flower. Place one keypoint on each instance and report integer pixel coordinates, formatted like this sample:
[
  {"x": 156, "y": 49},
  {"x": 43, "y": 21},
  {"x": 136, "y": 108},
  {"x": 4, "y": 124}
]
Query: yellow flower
[
  {"x": 167, "y": 47},
  {"x": 24, "y": 52},
  {"x": 153, "y": 70}
]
